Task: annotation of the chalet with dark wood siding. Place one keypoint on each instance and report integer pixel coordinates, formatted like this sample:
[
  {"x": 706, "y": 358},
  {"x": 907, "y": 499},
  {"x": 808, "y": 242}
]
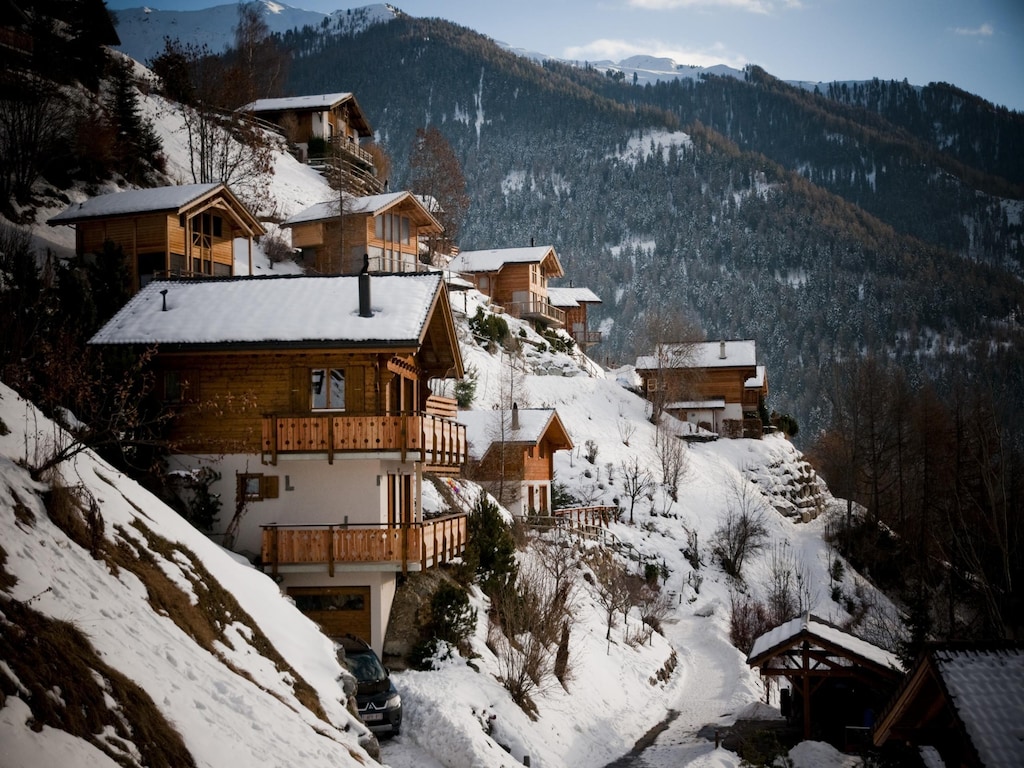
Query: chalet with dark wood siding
[
  {"x": 310, "y": 396},
  {"x": 961, "y": 705},
  {"x": 389, "y": 228},
  {"x": 512, "y": 454},
  {"x": 716, "y": 385},
  {"x": 179, "y": 231},
  {"x": 574, "y": 302},
  {"x": 337, "y": 120},
  {"x": 515, "y": 279}
]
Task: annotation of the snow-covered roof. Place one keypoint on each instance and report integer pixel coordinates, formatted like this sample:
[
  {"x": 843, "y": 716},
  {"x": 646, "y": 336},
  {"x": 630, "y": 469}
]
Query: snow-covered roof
[
  {"x": 716, "y": 403},
  {"x": 757, "y": 380},
  {"x": 369, "y": 205},
  {"x": 568, "y": 297},
  {"x": 811, "y": 627},
  {"x": 314, "y": 101},
  {"x": 275, "y": 310},
  {"x": 987, "y": 689},
  {"x": 134, "y": 201},
  {"x": 484, "y": 427},
  {"x": 493, "y": 259},
  {"x": 705, "y": 354}
]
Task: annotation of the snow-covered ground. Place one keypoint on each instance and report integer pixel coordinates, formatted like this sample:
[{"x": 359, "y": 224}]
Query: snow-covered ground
[{"x": 235, "y": 707}]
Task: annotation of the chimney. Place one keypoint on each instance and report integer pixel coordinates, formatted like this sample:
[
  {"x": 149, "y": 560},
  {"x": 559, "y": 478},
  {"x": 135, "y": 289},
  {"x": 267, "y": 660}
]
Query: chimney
[
  {"x": 515, "y": 417},
  {"x": 364, "y": 288},
  {"x": 531, "y": 242},
  {"x": 164, "y": 294},
  {"x": 721, "y": 350}
]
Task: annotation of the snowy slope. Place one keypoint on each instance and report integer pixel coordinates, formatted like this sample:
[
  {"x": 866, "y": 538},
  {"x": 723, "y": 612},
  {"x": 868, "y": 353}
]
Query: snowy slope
[{"x": 231, "y": 701}]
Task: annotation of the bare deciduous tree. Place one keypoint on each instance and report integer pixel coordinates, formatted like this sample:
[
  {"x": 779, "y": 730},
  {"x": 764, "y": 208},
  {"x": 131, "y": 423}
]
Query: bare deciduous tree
[
  {"x": 744, "y": 530},
  {"x": 636, "y": 482}
]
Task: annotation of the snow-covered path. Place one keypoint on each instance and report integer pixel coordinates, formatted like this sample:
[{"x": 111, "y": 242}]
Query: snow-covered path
[{"x": 716, "y": 684}]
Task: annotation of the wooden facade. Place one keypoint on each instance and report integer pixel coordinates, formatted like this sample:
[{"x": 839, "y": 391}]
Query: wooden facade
[
  {"x": 715, "y": 385},
  {"x": 574, "y": 302},
  {"x": 515, "y": 279},
  {"x": 387, "y": 228},
  {"x": 317, "y": 416},
  {"x": 329, "y": 116},
  {"x": 186, "y": 231},
  {"x": 514, "y": 455}
]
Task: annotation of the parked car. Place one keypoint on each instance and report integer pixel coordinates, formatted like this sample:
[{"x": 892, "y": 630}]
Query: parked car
[{"x": 380, "y": 706}]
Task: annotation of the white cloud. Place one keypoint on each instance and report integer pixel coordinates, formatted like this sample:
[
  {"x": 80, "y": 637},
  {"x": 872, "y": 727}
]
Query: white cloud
[
  {"x": 985, "y": 30},
  {"x": 617, "y": 50}
]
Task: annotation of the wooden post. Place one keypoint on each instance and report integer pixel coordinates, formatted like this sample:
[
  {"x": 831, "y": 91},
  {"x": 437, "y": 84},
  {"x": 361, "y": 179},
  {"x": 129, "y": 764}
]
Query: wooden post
[
  {"x": 330, "y": 551},
  {"x": 807, "y": 689}
]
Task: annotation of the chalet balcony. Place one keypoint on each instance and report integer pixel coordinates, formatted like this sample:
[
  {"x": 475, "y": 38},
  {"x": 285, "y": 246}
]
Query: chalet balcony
[
  {"x": 416, "y": 546},
  {"x": 586, "y": 338},
  {"x": 434, "y": 440},
  {"x": 536, "y": 309}
]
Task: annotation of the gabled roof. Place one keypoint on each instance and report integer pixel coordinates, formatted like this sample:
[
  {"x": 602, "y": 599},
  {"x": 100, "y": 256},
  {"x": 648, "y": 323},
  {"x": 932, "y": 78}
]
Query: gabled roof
[
  {"x": 494, "y": 259},
  {"x": 174, "y": 199},
  {"x": 370, "y": 205},
  {"x": 822, "y": 635},
  {"x": 569, "y": 297},
  {"x": 269, "y": 312},
  {"x": 535, "y": 424},
  {"x": 705, "y": 354},
  {"x": 313, "y": 103},
  {"x": 982, "y": 688}
]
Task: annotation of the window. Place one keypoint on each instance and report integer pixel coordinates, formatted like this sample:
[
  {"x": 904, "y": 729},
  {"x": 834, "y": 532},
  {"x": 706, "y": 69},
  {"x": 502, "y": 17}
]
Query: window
[
  {"x": 178, "y": 387},
  {"x": 257, "y": 487},
  {"x": 327, "y": 389},
  {"x": 205, "y": 227}
]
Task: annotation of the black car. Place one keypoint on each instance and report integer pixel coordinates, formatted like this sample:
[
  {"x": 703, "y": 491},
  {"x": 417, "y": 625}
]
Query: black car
[{"x": 380, "y": 706}]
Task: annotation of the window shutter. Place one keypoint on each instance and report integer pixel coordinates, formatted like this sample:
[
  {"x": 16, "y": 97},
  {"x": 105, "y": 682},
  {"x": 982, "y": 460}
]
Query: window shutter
[{"x": 269, "y": 486}]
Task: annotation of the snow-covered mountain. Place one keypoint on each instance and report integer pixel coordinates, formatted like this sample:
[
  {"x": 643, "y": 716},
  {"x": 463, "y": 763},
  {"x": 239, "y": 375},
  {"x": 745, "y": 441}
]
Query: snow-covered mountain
[{"x": 143, "y": 31}]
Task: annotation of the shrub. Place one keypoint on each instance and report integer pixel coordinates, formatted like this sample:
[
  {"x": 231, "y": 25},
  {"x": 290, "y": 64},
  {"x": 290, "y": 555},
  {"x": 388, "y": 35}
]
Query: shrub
[
  {"x": 490, "y": 550},
  {"x": 489, "y": 327},
  {"x": 452, "y": 619},
  {"x": 748, "y": 620},
  {"x": 465, "y": 388}
]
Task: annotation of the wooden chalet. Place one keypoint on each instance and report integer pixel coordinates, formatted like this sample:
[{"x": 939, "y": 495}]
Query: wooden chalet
[
  {"x": 716, "y": 385},
  {"x": 516, "y": 279},
  {"x": 837, "y": 681},
  {"x": 179, "y": 231},
  {"x": 961, "y": 706},
  {"x": 310, "y": 396},
  {"x": 574, "y": 302},
  {"x": 512, "y": 453},
  {"x": 337, "y": 120},
  {"x": 389, "y": 228}
]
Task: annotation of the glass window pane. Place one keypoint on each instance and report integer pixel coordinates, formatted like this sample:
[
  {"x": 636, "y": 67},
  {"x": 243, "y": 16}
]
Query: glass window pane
[
  {"x": 318, "y": 390},
  {"x": 337, "y": 398}
]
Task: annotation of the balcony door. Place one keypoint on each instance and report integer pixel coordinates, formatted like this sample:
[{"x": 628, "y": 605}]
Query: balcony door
[{"x": 400, "y": 499}]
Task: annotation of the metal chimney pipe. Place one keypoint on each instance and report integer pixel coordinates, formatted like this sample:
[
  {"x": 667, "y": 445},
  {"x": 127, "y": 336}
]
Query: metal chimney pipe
[
  {"x": 164, "y": 294},
  {"x": 364, "y": 288},
  {"x": 515, "y": 416},
  {"x": 721, "y": 350}
]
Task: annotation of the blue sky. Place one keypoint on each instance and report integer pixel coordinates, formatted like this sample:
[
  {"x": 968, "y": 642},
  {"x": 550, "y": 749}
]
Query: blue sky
[{"x": 977, "y": 45}]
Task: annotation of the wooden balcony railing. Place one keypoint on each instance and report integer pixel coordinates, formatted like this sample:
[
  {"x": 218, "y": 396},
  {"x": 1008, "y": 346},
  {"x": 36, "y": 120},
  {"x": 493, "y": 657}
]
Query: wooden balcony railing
[
  {"x": 586, "y": 338},
  {"x": 431, "y": 439},
  {"x": 536, "y": 309},
  {"x": 420, "y": 545}
]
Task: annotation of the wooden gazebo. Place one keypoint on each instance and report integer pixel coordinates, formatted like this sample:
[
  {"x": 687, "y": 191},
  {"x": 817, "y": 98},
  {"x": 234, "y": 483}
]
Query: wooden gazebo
[{"x": 833, "y": 675}]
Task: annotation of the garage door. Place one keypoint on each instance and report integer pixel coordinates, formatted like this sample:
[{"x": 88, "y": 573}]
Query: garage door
[{"x": 338, "y": 610}]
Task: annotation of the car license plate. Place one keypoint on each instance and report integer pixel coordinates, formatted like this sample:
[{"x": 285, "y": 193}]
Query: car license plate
[{"x": 372, "y": 717}]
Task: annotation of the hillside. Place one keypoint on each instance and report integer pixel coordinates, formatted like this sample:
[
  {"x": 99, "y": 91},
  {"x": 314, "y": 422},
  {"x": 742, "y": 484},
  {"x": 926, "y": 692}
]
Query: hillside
[
  {"x": 228, "y": 684},
  {"x": 823, "y": 228}
]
